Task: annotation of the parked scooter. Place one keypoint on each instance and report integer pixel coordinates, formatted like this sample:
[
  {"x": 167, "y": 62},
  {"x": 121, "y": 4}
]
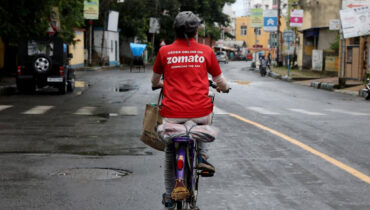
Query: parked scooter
[{"x": 366, "y": 91}]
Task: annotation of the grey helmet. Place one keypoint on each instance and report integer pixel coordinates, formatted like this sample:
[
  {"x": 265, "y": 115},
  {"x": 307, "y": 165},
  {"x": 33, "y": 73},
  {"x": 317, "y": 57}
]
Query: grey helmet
[{"x": 186, "y": 24}]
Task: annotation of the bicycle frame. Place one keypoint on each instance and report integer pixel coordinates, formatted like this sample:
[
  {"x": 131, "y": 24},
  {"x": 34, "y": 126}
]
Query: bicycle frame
[{"x": 186, "y": 151}]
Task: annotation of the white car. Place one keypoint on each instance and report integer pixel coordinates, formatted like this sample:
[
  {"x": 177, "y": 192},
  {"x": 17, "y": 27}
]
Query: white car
[{"x": 222, "y": 57}]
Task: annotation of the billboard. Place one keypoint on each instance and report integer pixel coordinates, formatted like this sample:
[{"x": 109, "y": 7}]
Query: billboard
[
  {"x": 256, "y": 17},
  {"x": 354, "y": 3},
  {"x": 154, "y": 25},
  {"x": 113, "y": 21},
  {"x": 91, "y": 9},
  {"x": 270, "y": 20},
  {"x": 355, "y": 21},
  {"x": 296, "y": 18}
]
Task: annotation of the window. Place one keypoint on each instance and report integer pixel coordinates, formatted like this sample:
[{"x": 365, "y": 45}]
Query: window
[
  {"x": 41, "y": 47},
  {"x": 257, "y": 31},
  {"x": 243, "y": 30}
]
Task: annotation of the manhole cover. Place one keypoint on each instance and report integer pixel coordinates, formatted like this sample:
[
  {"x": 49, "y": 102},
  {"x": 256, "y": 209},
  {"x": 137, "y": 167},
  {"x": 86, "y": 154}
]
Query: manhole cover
[{"x": 92, "y": 173}]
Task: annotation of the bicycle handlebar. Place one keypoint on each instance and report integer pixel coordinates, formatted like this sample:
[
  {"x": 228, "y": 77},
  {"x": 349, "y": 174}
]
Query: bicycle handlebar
[
  {"x": 211, "y": 84},
  {"x": 155, "y": 88}
]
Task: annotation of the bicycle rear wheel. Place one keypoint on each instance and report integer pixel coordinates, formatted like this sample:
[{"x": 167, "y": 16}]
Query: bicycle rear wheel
[{"x": 195, "y": 181}]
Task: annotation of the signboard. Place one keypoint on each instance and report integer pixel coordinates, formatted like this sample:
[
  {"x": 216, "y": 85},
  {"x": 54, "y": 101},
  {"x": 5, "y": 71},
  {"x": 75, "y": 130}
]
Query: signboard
[
  {"x": 54, "y": 18},
  {"x": 91, "y": 9},
  {"x": 51, "y": 29},
  {"x": 354, "y": 3},
  {"x": 296, "y": 18},
  {"x": 355, "y": 22},
  {"x": 288, "y": 36},
  {"x": 154, "y": 25},
  {"x": 317, "y": 60},
  {"x": 256, "y": 17},
  {"x": 334, "y": 25},
  {"x": 113, "y": 21},
  {"x": 288, "y": 48},
  {"x": 270, "y": 20}
]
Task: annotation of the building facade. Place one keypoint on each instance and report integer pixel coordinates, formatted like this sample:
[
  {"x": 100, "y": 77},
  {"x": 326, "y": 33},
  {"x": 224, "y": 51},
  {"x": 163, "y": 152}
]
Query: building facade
[
  {"x": 110, "y": 52},
  {"x": 77, "y": 49},
  {"x": 258, "y": 40},
  {"x": 314, "y": 33}
]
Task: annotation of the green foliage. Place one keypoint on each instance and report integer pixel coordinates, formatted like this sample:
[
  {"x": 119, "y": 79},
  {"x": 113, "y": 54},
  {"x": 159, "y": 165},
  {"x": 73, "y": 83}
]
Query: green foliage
[
  {"x": 135, "y": 15},
  {"x": 335, "y": 45},
  {"x": 26, "y": 18}
]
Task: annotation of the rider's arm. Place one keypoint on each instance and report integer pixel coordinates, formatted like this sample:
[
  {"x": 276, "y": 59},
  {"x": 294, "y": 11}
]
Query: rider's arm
[
  {"x": 157, "y": 71},
  {"x": 156, "y": 80},
  {"x": 221, "y": 83},
  {"x": 217, "y": 76}
]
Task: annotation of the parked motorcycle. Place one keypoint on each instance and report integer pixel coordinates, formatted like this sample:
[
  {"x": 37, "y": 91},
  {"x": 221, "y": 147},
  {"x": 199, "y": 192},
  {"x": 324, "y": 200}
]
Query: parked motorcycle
[{"x": 366, "y": 91}]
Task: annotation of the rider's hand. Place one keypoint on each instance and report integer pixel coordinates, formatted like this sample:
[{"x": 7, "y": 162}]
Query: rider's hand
[{"x": 224, "y": 90}]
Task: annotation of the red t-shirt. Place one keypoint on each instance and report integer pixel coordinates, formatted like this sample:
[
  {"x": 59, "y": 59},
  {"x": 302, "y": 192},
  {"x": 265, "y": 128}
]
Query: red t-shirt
[{"x": 185, "y": 87}]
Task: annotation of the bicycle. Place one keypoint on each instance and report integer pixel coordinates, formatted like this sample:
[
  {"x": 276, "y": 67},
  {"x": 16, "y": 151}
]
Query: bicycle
[{"x": 186, "y": 151}]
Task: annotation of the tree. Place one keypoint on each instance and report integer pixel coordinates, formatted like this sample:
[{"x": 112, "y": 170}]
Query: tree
[
  {"x": 209, "y": 11},
  {"x": 135, "y": 15},
  {"x": 26, "y": 18}
]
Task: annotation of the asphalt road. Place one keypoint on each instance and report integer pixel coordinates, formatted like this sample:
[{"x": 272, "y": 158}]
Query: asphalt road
[{"x": 281, "y": 146}]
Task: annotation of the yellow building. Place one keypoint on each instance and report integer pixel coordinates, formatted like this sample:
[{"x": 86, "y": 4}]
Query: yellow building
[
  {"x": 243, "y": 32},
  {"x": 77, "y": 49}
]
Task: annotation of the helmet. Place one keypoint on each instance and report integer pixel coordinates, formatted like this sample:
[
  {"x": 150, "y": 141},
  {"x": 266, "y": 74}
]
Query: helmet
[{"x": 186, "y": 24}]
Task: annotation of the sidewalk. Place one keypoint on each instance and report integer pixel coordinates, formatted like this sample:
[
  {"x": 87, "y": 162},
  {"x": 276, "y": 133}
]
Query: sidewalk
[
  {"x": 320, "y": 80},
  {"x": 331, "y": 83}
]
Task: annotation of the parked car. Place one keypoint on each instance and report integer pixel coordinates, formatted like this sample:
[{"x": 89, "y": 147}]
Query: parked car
[
  {"x": 249, "y": 57},
  {"x": 222, "y": 57},
  {"x": 42, "y": 62}
]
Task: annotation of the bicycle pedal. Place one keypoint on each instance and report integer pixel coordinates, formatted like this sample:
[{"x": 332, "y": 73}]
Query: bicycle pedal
[{"x": 207, "y": 173}]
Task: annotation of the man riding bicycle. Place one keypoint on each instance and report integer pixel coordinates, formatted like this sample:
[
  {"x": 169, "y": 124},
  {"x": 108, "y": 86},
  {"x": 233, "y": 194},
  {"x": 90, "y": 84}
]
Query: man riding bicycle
[{"x": 185, "y": 65}]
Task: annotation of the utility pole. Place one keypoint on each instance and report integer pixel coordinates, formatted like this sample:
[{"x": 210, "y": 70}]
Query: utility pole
[
  {"x": 342, "y": 81},
  {"x": 278, "y": 34},
  {"x": 90, "y": 41}
]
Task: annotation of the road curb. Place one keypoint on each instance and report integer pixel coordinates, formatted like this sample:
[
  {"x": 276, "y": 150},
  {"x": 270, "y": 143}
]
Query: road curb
[
  {"x": 327, "y": 86},
  {"x": 315, "y": 84}
]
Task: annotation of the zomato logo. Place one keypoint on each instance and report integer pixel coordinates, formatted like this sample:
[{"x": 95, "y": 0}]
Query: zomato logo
[{"x": 185, "y": 59}]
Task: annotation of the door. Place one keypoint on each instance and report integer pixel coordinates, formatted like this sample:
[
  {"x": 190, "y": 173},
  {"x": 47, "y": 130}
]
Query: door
[
  {"x": 116, "y": 50},
  {"x": 353, "y": 70}
]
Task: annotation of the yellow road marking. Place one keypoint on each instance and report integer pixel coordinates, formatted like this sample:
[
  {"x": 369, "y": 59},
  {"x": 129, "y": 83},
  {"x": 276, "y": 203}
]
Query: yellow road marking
[
  {"x": 242, "y": 82},
  {"x": 331, "y": 160},
  {"x": 79, "y": 84}
]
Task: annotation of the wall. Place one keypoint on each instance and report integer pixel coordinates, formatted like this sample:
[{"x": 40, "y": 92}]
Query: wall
[
  {"x": 317, "y": 13},
  {"x": 326, "y": 38},
  {"x": 111, "y": 52},
  {"x": 77, "y": 49}
]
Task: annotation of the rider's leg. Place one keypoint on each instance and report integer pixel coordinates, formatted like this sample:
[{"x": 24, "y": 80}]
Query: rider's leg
[
  {"x": 169, "y": 176},
  {"x": 206, "y": 120},
  {"x": 169, "y": 172}
]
